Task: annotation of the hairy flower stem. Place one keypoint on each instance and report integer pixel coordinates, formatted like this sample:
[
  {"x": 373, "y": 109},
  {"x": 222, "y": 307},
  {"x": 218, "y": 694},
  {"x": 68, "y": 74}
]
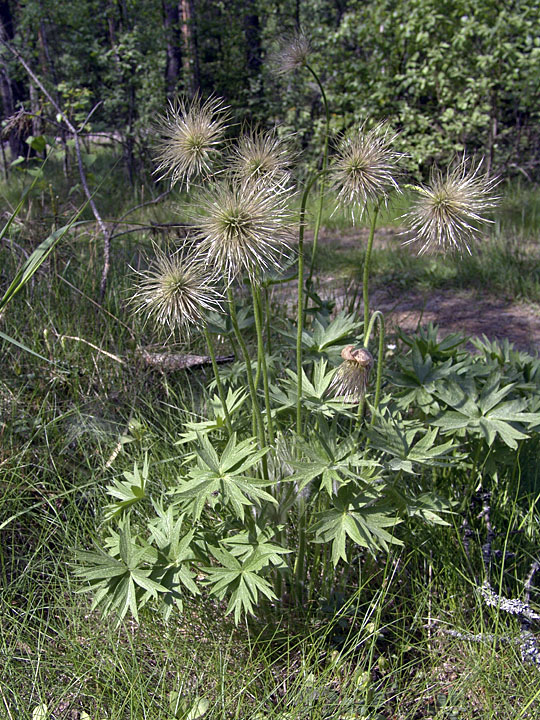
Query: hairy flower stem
[
  {"x": 267, "y": 317},
  {"x": 323, "y": 176},
  {"x": 300, "y": 308},
  {"x": 365, "y": 284},
  {"x": 219, "y": 385},
  {"x": 251, "y": 384},
  {"x": 299, "y": 564},
  {"x": 376, "y": 317},
  {"x": 257, "y": 309}
]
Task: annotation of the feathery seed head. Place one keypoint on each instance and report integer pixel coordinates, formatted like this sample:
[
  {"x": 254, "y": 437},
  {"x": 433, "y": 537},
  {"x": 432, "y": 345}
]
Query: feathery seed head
[
  {"x": 261, "y": 156},
  {"x": 350, "y": 380},
  {"x": 190, "y": 133},
  {"x": 292, "y": 55},
  {"x": 244, "y": 227},
  {"x": 364, "y": 168},
  {"x": 448, "y": 213},
  {"x": 176, "y": 291}
]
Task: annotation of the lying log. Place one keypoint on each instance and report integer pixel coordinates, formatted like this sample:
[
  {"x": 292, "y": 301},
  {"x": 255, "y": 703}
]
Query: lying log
[{"x": 178, "y": 361}]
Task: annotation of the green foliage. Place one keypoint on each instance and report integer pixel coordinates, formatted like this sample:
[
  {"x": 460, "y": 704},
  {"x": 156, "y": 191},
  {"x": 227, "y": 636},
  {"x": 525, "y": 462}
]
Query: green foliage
[
  {"x": 209, "y": 530},
  {"x": 454, "y": 78},
  {"x": 128, "y": 492},
  {"x": 223, "y": 479},
  {"x": 362, "y": 518}
]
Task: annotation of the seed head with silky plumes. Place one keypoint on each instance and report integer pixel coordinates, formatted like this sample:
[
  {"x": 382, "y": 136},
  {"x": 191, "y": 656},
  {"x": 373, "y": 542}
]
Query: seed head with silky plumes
[
  {"x": 190, "y": 135},
  {"x": 261, "y": 156},
  {"x": 244, "y": 227},
  {"x": 350, "y": 380},
  {"x": 292, "y": 55},
  {"x": 448, "y": 213},
  {"x": 176, "y": 291},
  {"x": 364, "y": 168}
]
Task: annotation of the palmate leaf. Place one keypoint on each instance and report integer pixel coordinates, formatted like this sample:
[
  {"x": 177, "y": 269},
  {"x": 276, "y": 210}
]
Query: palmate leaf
[
  {"x": 235, "y": 400},
  {"x": 326, "y": 457},
  {"x": 240, "y": 579},
  {"x": 363, "y": 518},
  {"x": 427, "y": 507},
  {"x": 395, "y": 437},
  {"x": 485, "y": 413},
  {"x": 127, "y": 492},
  {"x": 322, "y": 338},
  {"x": 244, "y": 543},
  {"x": 221, "y": 324},
  {"x": 120, "y": 580},
  {"x": 223, "y": 479},
  {"x": 175, "y": 556},
  {"x": 418, "y": 376},
  {"x": 427, "y": 341},
  {"x": 314, "y": 392},
  {"x": 338, "y": 331}
]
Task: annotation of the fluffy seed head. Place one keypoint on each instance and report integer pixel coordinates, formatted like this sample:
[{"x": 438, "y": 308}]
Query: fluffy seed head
[
  {"x": 261, "y": 156},
  {"x": 189, "y": 137},
  {"x": 292, "y": 55},
  {"x": 448, "y": 213},
  {"x": 364, "y": 168},
  {"x": 350, "y": 380},
  {"x": 244, "y": 227},
  {"x": 176, "y": 291}
]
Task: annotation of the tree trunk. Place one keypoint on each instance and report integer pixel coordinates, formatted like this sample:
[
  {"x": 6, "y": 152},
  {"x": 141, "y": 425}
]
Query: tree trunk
[
  {"x": 171, "y": 23},
  {"x": 189, "y": 37}
]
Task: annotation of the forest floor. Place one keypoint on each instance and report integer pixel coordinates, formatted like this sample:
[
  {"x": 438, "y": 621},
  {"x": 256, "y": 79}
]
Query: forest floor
[{"x": 474, "y": 312}]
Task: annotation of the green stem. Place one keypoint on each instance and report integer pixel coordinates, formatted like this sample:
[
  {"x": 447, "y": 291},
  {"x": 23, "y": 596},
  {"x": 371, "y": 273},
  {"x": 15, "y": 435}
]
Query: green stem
[
  {"x": 256, "y": 293},
  {"x": 322, "y": 184},
  {"x": 219, "y": 385},
  {"x": 365, "y": 284},
  {"x": 267, "y": 316},
  {"x": 245, "y": 353},
  {"x": 300, "y": 308},
  {"x": 376, "y": 317},
  {"x": 299, "y": 564}
]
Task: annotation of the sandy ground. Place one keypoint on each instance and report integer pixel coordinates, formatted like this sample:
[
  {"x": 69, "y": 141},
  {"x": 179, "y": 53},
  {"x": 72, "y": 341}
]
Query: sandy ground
[{"x": 469, "y": 313}]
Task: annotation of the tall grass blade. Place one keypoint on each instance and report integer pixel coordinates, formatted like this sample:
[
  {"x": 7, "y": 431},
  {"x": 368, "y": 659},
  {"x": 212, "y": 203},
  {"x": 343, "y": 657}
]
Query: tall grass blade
[
  {"x": 24, "y": 347},
  {"x": 24, "y": 195},
  {"x": 36, "y": 259}
]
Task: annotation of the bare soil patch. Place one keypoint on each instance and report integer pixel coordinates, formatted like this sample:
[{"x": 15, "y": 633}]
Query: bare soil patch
[{"x": 467, "y": 312}]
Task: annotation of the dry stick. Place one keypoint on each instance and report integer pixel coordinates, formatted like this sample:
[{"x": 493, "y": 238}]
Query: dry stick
[
  {"x": 82, "y": 174},
  {"x": 95, "y": 347}
]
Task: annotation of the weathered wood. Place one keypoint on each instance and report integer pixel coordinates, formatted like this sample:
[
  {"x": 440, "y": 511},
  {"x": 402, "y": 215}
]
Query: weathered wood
[{"x": 179, "y": 361}]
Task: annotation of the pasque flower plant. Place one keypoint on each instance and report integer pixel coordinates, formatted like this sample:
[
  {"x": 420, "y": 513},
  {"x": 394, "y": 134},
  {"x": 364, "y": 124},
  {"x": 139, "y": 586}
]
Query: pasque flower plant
[
  {"x": 447, "y": 214},
  {"x": 364, "y": 168},
  {"x": 255, "y": 528},
  {"x": 262, "y": 156},
  {"x": 244, "y": 227},
  {"x": 176, "y": 291},
  {"x": 189, "y": 137}
]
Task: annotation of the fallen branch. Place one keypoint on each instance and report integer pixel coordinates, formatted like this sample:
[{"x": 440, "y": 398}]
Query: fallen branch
[{"x": 177, "y": 361}]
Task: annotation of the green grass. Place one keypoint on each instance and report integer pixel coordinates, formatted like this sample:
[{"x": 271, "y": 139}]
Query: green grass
[{"x": 376, "y": 648}]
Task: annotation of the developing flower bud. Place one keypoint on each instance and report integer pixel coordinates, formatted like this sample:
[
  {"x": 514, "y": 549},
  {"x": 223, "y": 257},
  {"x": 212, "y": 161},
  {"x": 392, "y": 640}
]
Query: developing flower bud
[{"x": 350, "y": 380}]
